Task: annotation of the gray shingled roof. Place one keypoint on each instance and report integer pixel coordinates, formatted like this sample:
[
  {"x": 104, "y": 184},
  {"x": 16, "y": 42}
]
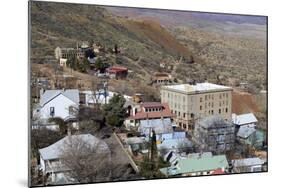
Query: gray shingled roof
[
  {"x": 55, "y": 150},
  {"x": 244, "y": 119},
  {"x": 245, "y": 131},
  {"x": 158, "y": 125},
  {"x": 214, "y": 121},
  {"x": 48, "y": 95}
]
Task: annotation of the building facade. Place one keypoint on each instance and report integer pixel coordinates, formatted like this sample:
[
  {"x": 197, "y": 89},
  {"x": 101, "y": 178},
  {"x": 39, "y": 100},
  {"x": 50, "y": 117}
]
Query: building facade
[
  {"x": 190, "y": 103},
  {"x": 62, "y": 104},
  {"x": 148, "y": 113},
  {"x": 215, "y": 134}
]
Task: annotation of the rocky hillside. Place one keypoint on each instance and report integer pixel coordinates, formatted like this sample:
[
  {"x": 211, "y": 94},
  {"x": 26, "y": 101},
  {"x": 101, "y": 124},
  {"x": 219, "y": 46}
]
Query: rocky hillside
[{"x": 60, "y": 24}]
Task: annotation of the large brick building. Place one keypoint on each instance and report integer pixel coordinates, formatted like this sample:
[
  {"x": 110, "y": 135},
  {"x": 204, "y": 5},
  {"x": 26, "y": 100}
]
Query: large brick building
[{"x": 190, "y": 103}]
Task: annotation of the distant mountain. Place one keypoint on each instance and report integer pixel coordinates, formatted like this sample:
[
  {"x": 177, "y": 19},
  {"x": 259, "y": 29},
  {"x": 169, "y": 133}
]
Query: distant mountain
[
  {"x": 172, "y": 17},
  {"x": 239, "y": 19}
]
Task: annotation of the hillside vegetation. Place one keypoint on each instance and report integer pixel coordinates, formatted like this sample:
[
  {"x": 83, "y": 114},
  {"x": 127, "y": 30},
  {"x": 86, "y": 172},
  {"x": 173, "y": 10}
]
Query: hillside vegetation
[{"x": 59, "y": 24}]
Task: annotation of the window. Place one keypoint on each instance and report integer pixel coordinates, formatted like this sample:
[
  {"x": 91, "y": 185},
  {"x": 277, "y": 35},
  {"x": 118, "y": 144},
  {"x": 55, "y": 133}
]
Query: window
[
  {"x": 220, "y": 103},
  {"x": 212, "y": 104},
  {"x": 52, "y": 111},
  {"x": 200, "y": 107},
  {"x": 226, "y": 95},
  {"x": 212, "y": 111},
  {"x": 200, "y": 99},
  {"x": 179, "y": 113},
  {"x": 184, "y": 115},
  {"x": 226, "y": 110},
  {"x": 219, "y": 111},
  {"x": 206, "y": 97}
]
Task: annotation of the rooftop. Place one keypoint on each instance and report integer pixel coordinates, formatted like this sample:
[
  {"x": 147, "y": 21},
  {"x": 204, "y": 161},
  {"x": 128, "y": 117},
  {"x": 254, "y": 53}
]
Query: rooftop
[
  {"x": 245, "y": 131},
  {"x": 158, "y": 125},
  {"x": 214, "y": 121},
  {"x": 174, "y": 144},
  {"x": 117, "y": 69},
  {"x": 55, "y": 150},
  {"x": 48, "y": 95},
  {"x": 197, "y": 164},
  {"x": 199, "y": 87},
  {"x": 244, "y": 119},
  {"x": 151, "y": 104},
  {"x": 141, "y": 114}
]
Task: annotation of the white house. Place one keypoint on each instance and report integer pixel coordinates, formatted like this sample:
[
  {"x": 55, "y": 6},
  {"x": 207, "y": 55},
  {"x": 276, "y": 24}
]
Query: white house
[
  {"x": 245, "y": 119},
  {"x": 58, "y": 103},
  {"x": 50, "y": 157},
  {"x": 98, "y": 97}
]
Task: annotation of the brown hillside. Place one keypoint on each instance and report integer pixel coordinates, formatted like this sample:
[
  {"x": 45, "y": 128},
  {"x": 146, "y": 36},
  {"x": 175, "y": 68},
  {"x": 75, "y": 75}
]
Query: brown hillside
[
  {"x": 243, "y": 102},
  {"x": 156, "y": 33}
]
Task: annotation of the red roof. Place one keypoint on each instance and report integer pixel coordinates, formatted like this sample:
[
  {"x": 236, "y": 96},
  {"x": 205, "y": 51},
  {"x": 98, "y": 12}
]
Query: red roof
[
  {"x": 218, "y": 171},
  {"x": 153, "y": 115},
  {"x": 115, "y": 69},
  {"x": 151, "y": 104}
]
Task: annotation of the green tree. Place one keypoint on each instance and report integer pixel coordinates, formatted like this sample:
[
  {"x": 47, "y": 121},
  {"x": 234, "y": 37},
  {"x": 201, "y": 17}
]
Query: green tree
[
  {"x": 114, "y": 111},
  {"x": 84, "y": 65},
  {"x": 100, "y": 65},
  {"x": 72, "y": 62},
  {"x": 149, "y": 167}
]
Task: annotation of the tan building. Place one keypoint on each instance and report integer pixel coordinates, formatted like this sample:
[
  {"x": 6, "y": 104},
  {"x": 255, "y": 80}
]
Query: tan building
[
  {"x": 161, "y": 78},
  {"x": 190, "y": 103},
  {"x": 66, "y": 53}
]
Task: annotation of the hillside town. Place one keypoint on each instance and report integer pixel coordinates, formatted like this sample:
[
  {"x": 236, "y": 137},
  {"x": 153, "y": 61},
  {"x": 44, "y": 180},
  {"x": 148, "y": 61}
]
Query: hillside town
[
  {"x": 120, "y": 94},
  {"x": 90, "y": 133}
]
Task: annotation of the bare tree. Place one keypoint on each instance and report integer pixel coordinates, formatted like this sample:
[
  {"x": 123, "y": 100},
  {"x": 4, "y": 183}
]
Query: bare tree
[
  {"x": 87, "y": 162},
  {"x": 98, "y": 85}
]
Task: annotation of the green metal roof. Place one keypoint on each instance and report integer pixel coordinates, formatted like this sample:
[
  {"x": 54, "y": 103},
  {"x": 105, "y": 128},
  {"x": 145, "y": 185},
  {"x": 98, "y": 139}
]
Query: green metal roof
[{"x": 191, "y": 165}]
